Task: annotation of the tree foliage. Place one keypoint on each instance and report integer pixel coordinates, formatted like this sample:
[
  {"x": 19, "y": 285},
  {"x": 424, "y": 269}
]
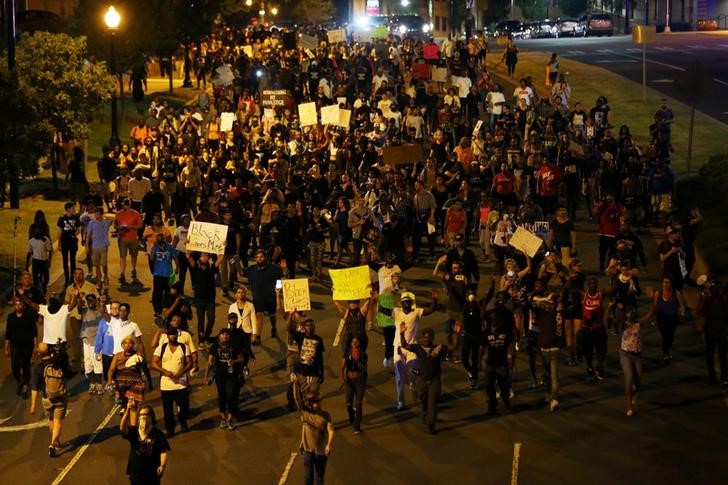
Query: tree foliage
[
  {"x": 532, "y": 9},
  {"x": 311, "y": 11},
  {"x": 573, "y": 8},
  {"x": 497, "y": 10}
]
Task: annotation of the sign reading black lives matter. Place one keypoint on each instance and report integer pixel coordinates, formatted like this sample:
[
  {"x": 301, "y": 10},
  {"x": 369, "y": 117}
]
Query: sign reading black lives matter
[
  {"x": 206, "y": 237},
  {"x": 274, "y": 98}
]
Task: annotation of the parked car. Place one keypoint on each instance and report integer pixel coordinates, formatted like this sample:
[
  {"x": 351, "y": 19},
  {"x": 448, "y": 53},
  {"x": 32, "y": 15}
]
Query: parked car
[
  {"x": 597, "y": 24},
  {"x": 568, "y": 28},
  {"x": 507, "y": 28},
  {"x": 543, "y": 29}
]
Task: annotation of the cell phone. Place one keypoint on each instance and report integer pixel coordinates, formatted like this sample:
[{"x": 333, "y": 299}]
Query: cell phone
[{"x": 279, "y": 285}]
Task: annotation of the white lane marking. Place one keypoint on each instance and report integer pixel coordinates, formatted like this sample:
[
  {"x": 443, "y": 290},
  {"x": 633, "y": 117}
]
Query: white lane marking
[
  {"x": 83, "y": 449},
  {"x": 697, "y": 47},
  {"x": 665, "y": 48},
  {"x": 516, "y": 462},
  {"x": 289, "y": 465},
  {"x": 25, "y": 427},
  {"x": 677, "y": 68},
  {"x": 633, "y": 49},
  {"x": 605, "y": 51},
  {"x": 663, "y": 81},
  {"x": 577, "y": 53}
]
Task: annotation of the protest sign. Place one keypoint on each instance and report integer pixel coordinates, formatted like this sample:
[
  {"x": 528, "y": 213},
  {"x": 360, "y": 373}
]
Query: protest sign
[
  {"x": 478, "y": 126},
  {"x": 439, "y": 74},
  {"x": 338, "y": 35},
  {"x": 344, "y": 118},
  {"x": 400, "y": 155},
  {"x": 526, "y": 241},
  {"x": 421, "y": 70},
  {"x": 431, "y": 51},
  {"x": 248, "y": 50},
  {"x": 226, "y": 121},
  {"x": 206, "y": 237},
  {"x": 272, "y": 98},
  {"x": 296, "y": 295},
  {"x": 351, "y": 283},
  {"x": 539, "y": 228},
  {"x": 307, "y": 114},
  {"x": 330, "y": 115},
  {"x": 308, "y": 41}
]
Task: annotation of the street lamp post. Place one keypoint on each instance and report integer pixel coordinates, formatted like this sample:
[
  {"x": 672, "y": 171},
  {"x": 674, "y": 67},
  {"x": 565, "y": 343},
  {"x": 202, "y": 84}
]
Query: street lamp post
[
  {"x": 668, "y": 4},
  {"x": 112, "y": 20}
]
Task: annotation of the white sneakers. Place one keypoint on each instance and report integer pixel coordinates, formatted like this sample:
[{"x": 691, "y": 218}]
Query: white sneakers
[{"x": 386, "y": 362}]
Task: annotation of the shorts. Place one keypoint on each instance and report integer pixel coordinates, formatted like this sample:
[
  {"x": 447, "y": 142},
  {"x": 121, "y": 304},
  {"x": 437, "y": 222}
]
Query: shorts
[
  {"x": 130, "y": 246},
  {"x": 265, "y": 307},
  {"x": 55, "y": 409},
  {"x": 100, "y": 256}
]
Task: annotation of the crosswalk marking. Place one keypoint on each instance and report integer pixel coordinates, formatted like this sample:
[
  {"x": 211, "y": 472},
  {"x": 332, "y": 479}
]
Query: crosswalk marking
[
  {"x": 664, "y": 48},
  {"x": 577, "y": 53}
]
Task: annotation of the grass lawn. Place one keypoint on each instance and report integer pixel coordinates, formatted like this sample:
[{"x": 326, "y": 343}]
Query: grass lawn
[{"x": 625, "y": 98}]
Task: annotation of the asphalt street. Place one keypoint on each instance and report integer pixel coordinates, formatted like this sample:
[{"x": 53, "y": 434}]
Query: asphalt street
[
  {"x": 669, "y": 55},
  {"x": 679, "y": 435}
]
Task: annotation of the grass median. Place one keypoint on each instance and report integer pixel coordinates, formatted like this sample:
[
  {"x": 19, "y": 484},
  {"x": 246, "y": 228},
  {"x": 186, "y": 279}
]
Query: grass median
[{"x": 625, "y": 98}]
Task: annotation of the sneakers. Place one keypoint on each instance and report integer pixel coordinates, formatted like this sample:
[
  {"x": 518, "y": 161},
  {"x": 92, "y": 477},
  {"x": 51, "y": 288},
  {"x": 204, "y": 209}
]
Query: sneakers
[
  {"x": 400, "y": 405},
  {"x": 229, "y": 424},
  {"x": 52, "y": 451},
  {"x": 554, "y": 405},
  {"x": 223, "y": 424},
  {"x": 357, "y": 430},
  {"x": 386, "y": 362},
  {"x": 598, "y": 375}
]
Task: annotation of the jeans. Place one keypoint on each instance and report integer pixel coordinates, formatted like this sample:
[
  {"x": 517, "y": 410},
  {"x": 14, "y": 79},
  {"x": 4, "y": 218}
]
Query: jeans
[
  {"x": 160, "y": 292},
  {"x": 471, "y": 354},
  {"x": 180, "y": 397},
  {"x": 632, "y": 367},
  {"x": 68, "y": 257},
  {"x": 314, "y": 467},
  {"x": 355, "y": 396},
  {"x": 20, "y": 357},
  {"x": 41, "y": 274},
  {"x": 402, "y": 369},
  {"x": 227, "y": 393},
  {"x": 551, "y": 368},
  {"x": 721, "y": 345},
  {"x": 388, "y": 333},
  {"x": 591, "y": 339},
  {"x": 500, "y": 376},
  {"x": 205, "y": 311},
  {"x": 667, "y": 324},
  {"x": 429, "y": 392}
]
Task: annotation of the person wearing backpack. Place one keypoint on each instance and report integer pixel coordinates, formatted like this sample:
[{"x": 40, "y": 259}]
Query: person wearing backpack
[
  {"x": 173, "y": 361},
  {"x": 50, "y": 380}
]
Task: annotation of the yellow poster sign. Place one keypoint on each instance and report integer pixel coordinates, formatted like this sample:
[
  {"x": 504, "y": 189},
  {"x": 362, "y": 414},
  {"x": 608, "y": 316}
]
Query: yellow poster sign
[
  {"x": 296, "y": 295},
  {"x": 351, "y": 283}
]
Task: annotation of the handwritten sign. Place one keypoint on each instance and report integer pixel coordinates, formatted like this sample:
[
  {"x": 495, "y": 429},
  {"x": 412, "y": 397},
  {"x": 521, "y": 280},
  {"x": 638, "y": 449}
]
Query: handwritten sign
[
  {"x": 539, "y": 228},
  {"x": 296, "y": 295},
  {"x": 226, "y": 121},
  {"x": 351, "y": 283},
  {"x": 272, "y": 98},
  {"x": 308, "y": 41},
  {"x": 344, "y": 118},
  {"x": 526, "y": 241},
  {"x": 330, "y": 115},
  {"x": 206, "y": 237},
  {"x": 307, "y": 114},
  {"x": 439, "y": 74},
  {"x": 338, "y": 35}
]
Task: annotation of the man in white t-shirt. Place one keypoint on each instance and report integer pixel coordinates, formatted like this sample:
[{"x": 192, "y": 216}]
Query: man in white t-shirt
[
  {"x": 523, "y": 91},
  {"x": 122, "y": 326},
  {"x": 53, "y": 318},
  {"x": 183, "y": 337},
  {"x": 173, "y": 361},
  {"x": 408, "y": 316}
]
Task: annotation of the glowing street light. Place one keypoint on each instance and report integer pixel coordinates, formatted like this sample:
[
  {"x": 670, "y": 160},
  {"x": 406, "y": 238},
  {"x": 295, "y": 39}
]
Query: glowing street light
[
  {"x": 248, "y": 3},
  {"x": 274, "y": 11},
  {"x": 112, "y": 18},
  {"x": 261, "y": 12}
]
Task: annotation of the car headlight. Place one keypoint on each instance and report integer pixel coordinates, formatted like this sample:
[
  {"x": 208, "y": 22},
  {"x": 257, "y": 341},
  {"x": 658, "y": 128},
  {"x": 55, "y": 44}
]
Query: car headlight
[
  {"x": 426, "y": 28},
  {"x": 402, "y": 29}
]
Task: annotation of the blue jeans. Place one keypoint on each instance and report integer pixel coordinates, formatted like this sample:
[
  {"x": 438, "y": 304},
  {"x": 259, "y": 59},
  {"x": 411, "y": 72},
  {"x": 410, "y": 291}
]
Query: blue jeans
[
  {"x": 551, "y": 368},
  {"x": 314, "y": 467},
  {"x": 632, "y": 367}
]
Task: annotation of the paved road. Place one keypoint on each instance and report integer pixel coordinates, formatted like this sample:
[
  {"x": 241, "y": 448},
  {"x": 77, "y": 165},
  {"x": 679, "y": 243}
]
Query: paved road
[
  {"x": 666, "y": 58},
  {"x": 679, "y": 436}
]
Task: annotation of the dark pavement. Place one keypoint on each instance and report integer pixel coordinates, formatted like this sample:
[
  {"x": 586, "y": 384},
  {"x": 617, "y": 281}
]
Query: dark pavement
[
  {"x": 678, "y": 436},
  {"x": 666, "y": 58}
]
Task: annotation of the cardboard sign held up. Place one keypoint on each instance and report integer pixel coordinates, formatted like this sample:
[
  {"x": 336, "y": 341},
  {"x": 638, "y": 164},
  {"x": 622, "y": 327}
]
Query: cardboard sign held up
[
  {"x": 344, "y": 118},
  {"x": 330, "y": 115},
  {"x": 308, "y": 41},
  {"x": 272, "y": 98},
  {"x": 206, "y": 237},
  {"x": 351, "y": 283},
  {"x": 307, "y": 114},
  {"x": 296, "y": 295},
  {"x": 404, "y": 154},
  {"x": 335, "y": 36},
  {"x": 226, "y": 121},
  {"x": 526, "y": 241},
  {"x": 439, "y": 74}
]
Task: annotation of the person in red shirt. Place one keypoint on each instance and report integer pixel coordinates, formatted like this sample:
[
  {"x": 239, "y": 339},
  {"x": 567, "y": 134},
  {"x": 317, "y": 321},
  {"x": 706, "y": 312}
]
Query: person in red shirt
[
  {"x": 548, "y": 183},
  {"x": 504, "y": 188},
  {"x": 127, "y": 222},
  {"x": 610, "y": 216},
  {"x": 455, "y": 221}
]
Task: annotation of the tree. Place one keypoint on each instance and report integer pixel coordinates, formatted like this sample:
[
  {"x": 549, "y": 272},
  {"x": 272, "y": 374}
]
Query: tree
[
  {"x": 497, "y": 10},
  {"x": 64, "y": 86},
  {"x": 573, "y": 8},
  {"x": 24, "y": 139},
  {"x": 312, "y": 11},
  {"x": 532, "y": 9}
]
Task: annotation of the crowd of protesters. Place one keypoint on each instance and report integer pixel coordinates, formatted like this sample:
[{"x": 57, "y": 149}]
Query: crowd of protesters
[{"x": 299, "y": 199}]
